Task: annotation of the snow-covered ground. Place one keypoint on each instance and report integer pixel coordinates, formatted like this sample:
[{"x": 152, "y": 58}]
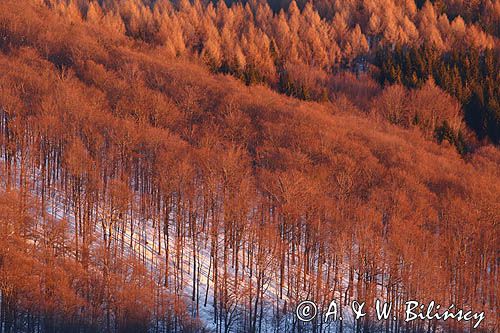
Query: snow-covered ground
[{"x": 145, "y": 244}]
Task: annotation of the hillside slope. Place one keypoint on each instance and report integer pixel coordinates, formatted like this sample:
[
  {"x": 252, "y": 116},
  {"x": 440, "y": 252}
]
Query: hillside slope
[{"x": 293, "y": 199}]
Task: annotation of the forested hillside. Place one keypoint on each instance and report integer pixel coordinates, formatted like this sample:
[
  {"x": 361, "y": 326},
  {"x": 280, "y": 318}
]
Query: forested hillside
[{"x": 189, "y": 167}]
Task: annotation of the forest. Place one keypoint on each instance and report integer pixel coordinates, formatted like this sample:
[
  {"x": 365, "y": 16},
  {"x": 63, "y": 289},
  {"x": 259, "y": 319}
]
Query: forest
[{"x": 197, "y": 166}]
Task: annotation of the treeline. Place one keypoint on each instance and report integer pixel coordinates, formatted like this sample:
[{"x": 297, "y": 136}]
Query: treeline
[
  {"x": 484, "y": 13},
  {"x": 253, "y": 203},
  {"x": 298, "y": 48}
]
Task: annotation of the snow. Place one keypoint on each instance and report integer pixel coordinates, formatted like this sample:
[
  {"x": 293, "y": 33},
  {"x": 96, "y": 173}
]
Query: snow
[{"x": 143, "y": 243}]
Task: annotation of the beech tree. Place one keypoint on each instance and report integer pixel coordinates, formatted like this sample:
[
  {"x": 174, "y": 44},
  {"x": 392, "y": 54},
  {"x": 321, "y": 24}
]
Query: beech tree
[{"x": 141, "y": 190}]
